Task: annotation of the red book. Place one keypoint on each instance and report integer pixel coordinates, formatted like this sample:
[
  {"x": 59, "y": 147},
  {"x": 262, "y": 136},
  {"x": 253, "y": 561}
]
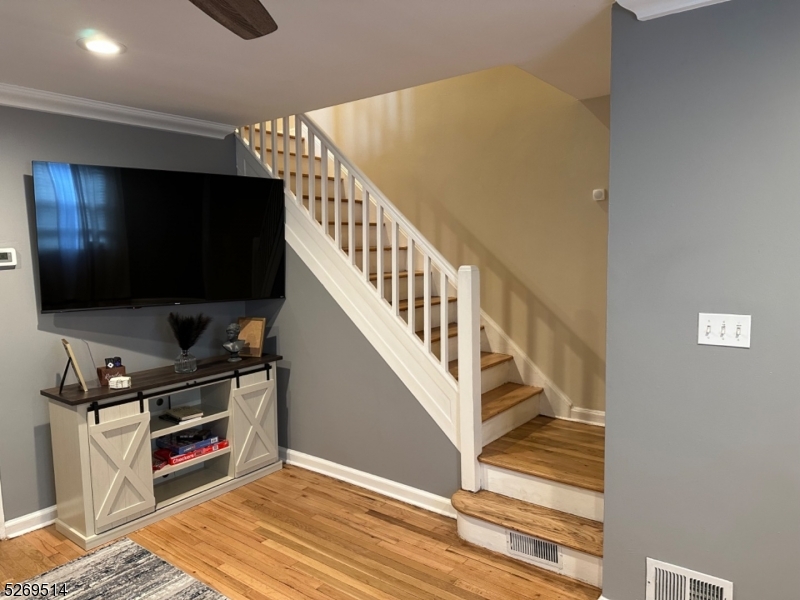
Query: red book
[{"x": 176, "y": 459}]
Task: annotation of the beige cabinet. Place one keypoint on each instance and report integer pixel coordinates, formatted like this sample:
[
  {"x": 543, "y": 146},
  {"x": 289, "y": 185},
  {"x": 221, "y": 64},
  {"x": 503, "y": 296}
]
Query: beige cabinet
[
  {"x": 255, "y": 424},
  {"x": 121, "y": 465},
  {"x": 103, "y": 452}
]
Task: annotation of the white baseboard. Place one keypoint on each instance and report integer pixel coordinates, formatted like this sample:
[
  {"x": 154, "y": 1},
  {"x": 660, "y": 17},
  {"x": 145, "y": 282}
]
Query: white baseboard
[
  {"x": 554, "y": 402},
  {"x": 386, "y": 487},
  {"x": 31, "y": 522}
]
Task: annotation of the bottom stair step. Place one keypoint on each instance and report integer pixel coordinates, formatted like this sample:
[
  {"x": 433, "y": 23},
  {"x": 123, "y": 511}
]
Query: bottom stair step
[{"x": 578, "y": 533}]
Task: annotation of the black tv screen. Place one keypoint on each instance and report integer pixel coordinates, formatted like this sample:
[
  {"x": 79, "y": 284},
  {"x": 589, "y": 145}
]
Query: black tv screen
[{"x": 111, "y": 237}]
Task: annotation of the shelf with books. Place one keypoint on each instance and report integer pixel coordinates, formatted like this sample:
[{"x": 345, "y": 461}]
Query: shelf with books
[
  {"x": 211, "y": 413},
  {"x": 170, "y": 469}
]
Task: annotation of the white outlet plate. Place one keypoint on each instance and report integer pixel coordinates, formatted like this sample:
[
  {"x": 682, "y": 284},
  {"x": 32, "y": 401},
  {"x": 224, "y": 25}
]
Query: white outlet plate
[
  {"x": 724, "y": 330},
  {"x": 8, "y": 258}
]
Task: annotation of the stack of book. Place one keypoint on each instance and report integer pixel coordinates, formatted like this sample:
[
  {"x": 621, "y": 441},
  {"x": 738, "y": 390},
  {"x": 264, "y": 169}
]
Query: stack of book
[
  {"x": 180, "y": 447},
  {"x": 183, "y": 414}
]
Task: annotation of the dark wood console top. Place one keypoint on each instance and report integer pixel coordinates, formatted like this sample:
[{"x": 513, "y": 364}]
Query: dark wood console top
[{"x": 152, "y": 379}]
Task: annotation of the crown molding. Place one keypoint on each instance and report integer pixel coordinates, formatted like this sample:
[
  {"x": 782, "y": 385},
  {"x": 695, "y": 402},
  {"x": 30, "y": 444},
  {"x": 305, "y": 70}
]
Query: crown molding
[
  {"x": 22, "y": 97},
  {"x": 652, "y": 9}
]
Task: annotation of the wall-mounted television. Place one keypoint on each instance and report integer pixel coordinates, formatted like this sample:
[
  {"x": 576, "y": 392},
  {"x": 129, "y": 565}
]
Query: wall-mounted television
[{"x": 113, "y": 237}]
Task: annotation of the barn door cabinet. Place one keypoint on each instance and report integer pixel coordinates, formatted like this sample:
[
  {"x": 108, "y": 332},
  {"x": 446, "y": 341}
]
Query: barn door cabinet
[{"x": 103, "y": 441}]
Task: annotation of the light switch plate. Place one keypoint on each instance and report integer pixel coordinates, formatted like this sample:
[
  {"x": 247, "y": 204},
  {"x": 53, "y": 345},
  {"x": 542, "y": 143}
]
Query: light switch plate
[
  {"x": 8, "y": 258},
  {"x": 724, "y": 330}
]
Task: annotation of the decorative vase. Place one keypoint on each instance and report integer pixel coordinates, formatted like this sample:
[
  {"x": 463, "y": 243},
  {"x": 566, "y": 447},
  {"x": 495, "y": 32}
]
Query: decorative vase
[{"x": 185, "y": 363}]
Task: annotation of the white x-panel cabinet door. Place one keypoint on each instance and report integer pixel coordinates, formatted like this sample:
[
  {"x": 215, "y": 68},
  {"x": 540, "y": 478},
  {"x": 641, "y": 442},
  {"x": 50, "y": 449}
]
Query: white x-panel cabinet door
[
  {"x": 122, "y": 470},
  {"x": 255, "y": 426}
]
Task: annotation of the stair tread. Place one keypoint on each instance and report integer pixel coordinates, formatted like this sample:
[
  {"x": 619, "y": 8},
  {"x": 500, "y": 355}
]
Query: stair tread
[
  {"x": 436, "y": 332},
  {"x": 488, "y": 360},
  {"x": 343, "y": 200},
  {"x": 268, "y": 132},
  {"x": 372, "y": 248},
  {"x": 578, "y": 533},
  {"x": 555, "y": 449},
  {"x": 402, "y": 274},
  {"x": 316, "y": 175},
  {"x": 507, "y": 396},
  {"x": 420, "y": 302}
]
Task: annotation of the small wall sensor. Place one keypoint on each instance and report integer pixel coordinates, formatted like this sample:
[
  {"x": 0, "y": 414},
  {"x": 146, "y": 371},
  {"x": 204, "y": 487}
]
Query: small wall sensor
[
  {"x": 599, "y": 195},
  {"x": 8, "y": 258}
]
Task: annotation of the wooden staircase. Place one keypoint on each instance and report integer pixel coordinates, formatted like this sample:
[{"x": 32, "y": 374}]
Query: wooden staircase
[{"x": 541, "y": 478}]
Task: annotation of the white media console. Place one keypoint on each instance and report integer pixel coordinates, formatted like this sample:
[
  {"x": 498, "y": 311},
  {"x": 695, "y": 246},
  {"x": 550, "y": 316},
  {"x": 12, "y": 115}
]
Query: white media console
[{"x": 103, "y": 442}]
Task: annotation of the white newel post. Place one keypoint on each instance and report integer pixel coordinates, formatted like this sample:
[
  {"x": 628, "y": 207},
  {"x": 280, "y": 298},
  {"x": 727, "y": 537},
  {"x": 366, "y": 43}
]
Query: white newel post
[{"x": 469, "y": 375}]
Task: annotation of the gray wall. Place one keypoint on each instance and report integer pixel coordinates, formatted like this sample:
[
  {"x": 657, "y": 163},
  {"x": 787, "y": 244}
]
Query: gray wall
[
  {"x": 703, "y": 443},
  {"x": 339, "y": 400},
  {"x": 31, "y": 356}
]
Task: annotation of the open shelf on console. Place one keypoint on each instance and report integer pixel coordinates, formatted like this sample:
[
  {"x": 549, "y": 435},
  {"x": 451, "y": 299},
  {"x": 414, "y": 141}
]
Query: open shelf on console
[
  {"x": 177, "y": 489},
  {"x": 159, "y": 426}
]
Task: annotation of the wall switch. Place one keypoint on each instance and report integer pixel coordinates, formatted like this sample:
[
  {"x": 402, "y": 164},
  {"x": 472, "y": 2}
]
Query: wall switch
[
  {"x": 724, "y": 330},
  {"x": 8, "y": 258}
]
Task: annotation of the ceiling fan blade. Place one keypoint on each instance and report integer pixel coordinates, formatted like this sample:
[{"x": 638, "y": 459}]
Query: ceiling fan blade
[{"x": 246, "y": 18}]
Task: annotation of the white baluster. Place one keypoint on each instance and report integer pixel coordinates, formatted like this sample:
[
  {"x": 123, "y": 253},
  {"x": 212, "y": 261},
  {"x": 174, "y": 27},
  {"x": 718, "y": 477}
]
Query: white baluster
[
  {"x": 426, "y": 286},
  {"x": 379, "y": 252},
  {"x": 365, "y": 230},
  {"x": 412, "y": 298},
  {"x": 444, "y": 328},
  {"x": 286, "y": 152},
  {"x": 323, "y": 172},
  {"x": 273, "y": 135},
  {"x": 469, "y": 375},
  {"x": 312, "y": 180},
  {"x": 298, "y": 146},
  {"x": 351, "y": 216},
  {"x": 337, "y": 201},
  {"x": 395, "y": 265},
  {"x": 263, "y": 154}
]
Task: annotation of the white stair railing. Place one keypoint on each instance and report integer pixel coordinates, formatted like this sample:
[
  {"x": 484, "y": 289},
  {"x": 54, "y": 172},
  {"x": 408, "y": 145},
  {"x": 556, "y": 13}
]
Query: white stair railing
[{"x": 391, "y": 248}]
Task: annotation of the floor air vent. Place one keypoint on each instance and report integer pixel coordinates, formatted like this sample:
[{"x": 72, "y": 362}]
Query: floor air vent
[
  {"x": 531, "y": 548},
  {"x": 668, "y": 582}
]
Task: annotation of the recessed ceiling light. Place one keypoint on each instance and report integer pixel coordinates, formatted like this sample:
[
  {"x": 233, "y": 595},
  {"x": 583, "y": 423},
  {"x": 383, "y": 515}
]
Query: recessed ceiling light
[{"x": 99, "y": 44}]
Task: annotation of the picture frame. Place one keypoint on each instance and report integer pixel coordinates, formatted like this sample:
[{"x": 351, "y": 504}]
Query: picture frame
[
  {"x": 252, "y": 333},
  {"x": 75, "y": 367}
]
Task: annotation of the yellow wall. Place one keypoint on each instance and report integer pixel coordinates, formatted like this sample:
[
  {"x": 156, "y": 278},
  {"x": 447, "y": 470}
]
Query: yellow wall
[{"x": 497, "y": 169}]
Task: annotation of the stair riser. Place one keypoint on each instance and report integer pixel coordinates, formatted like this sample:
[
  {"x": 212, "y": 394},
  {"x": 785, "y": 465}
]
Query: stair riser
[
  {"x": 575, "y": 565},
  {"x": 293, "y": 162},
  {"x": 279, "y": 143},
  {"x": 510, "y": 419},
  {"x": 387, "y": 260},
  {"x": 436, "y": 312},
  {"x": 343, "y": 208},
  {"x": 494, "y": 377},
  {"x": 387, "y": 287},
  {"x": 317, "y": 188},
  {"x": 359, "y": 233},
  {"x": 452, "y": 345},
  {"x": 544, "y": 492}
]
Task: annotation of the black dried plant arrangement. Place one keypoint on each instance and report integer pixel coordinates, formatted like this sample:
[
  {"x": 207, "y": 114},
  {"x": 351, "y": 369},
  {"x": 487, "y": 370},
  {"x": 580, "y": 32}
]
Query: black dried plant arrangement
[{"x": 188, "y": 330}]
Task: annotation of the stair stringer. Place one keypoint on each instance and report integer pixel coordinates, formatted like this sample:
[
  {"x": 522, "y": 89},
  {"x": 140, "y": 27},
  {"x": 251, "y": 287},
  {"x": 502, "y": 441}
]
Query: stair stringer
[{"x": 400, "y": 348}]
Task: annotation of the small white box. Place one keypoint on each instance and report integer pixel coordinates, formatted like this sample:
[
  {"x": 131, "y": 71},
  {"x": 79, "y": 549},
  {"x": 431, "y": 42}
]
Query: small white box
[{"x": 120, "y": 382}]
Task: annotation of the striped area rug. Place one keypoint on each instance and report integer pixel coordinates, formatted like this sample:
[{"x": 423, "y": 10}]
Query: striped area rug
[{"x": 121, "y": 571}]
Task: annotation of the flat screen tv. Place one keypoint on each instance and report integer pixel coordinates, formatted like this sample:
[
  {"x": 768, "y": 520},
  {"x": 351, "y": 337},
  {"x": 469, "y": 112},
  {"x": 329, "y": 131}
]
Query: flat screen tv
[{"x": 112, "y": 237}]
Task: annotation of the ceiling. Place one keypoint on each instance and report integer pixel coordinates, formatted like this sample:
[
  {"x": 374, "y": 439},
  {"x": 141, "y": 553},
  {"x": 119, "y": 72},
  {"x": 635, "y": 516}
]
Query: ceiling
[{"x": 325, "y": 52}]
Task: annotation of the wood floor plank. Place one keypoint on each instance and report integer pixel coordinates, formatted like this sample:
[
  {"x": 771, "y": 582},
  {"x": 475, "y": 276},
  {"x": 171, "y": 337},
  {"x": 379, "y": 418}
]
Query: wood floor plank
[
  {"x": 570, "y": 453},
  {"x": 297, "y": 535}
]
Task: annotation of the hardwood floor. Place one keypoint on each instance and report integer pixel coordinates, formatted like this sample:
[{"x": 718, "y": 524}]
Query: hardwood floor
[
  {"x": 297, "y": 535},
  {"x": 570, "y": 453}
]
